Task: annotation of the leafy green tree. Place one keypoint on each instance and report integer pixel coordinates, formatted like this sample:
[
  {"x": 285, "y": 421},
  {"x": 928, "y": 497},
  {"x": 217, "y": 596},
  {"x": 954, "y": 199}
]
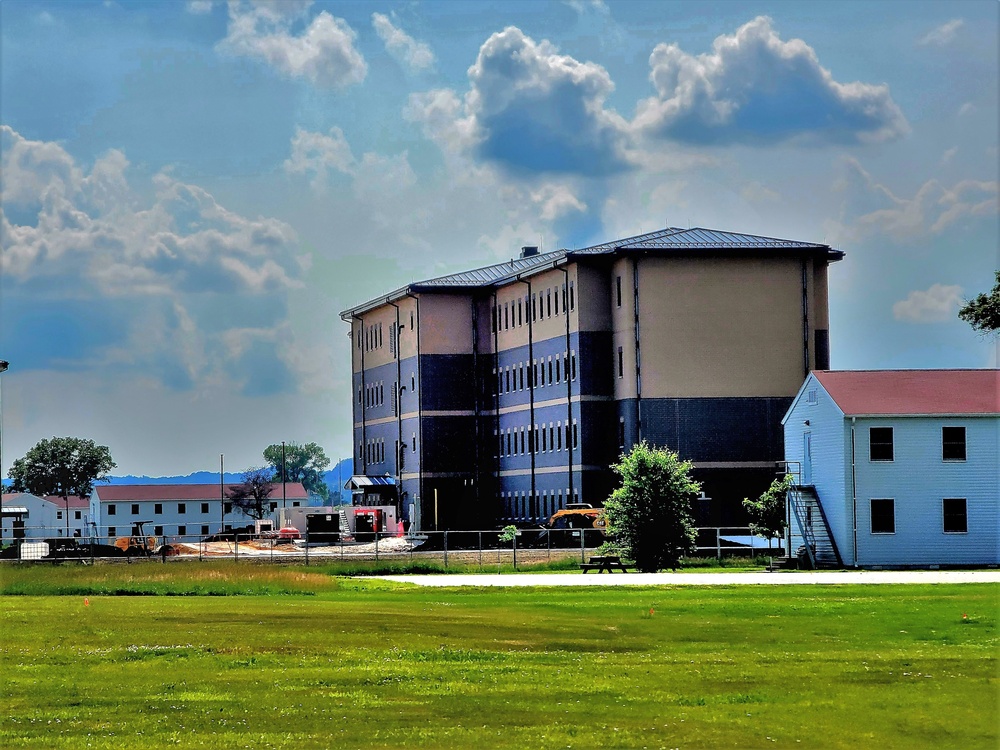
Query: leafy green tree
[
  {"x": 983, "y": 312},
  {"x": 650, "y": 514},
  {"x": 63, "y": 467},
  {"x": 767, "y": 512},
  {"x": 253, "y": 494},
  {"x": 303, "y": 463}
]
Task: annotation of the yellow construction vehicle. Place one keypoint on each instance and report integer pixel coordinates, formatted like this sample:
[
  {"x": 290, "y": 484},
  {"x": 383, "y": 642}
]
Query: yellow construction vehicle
[
  {"x": 579, "y": 516},
  {"x": 138, "y": 543}
]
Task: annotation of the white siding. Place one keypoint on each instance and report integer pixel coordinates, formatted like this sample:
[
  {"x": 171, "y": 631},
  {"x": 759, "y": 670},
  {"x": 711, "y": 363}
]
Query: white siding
[
  {"x": 831, "y": 450},
  {"x": 918, "y": 480}
]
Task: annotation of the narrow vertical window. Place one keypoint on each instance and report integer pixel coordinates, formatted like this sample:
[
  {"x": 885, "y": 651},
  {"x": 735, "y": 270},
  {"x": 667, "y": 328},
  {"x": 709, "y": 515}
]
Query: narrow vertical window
[
  {"x": 572, "y": 365},
  {"x": 557, "y": 302},
  {"x": 618, "y": 291},
  {"x": 548, "y": 303},
  {"x": 621, "y": 432},
  {"x": 564, "y": 298},
  {"x": 558, "y": 371},
  {"x": 621, "y": 363},
  {"x": 559, "y": 436},
  {"x": 411, "y": 320},
  {"x": 534, "y": 311},
  {"x": 572, "y": 301},
  {"x": 519, "y": 311},
  {"x": 550, "y": 370}
]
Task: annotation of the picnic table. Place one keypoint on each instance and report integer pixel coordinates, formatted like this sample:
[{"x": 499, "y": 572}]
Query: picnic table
[{"x": 604, "y": 564}]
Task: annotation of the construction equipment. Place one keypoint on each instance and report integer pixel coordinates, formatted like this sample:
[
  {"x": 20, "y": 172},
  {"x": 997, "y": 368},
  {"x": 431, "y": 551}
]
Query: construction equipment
[
  {"x": 138, "y": 543},
  {"x": 579, "y": 516}
]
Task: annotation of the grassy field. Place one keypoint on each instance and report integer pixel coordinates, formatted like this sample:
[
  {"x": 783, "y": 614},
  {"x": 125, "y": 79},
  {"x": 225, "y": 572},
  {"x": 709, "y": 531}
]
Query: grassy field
[{"x": 281, "y": 657}]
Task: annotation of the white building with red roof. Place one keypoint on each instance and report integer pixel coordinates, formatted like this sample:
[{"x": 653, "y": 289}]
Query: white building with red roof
[
  {"x": 896, "y": 468},
  {"x": 178, "y": 510},
  {"x": 46, "y": 517}
]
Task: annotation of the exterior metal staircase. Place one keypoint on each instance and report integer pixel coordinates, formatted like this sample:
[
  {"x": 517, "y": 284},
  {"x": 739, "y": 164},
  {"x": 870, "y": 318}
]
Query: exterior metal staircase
[
  {"x": 812, "y": 527},
  {"x": 345, "y": 529}
]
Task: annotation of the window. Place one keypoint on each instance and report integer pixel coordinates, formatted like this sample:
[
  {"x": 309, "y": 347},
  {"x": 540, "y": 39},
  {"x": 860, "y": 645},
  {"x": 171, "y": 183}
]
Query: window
[
  {"x": 227, "y": 508},
  {"x": 618, "y": 291},
  {"x": 883, "y": 516},
  {"x": 572, "y": 366},
  {"x": 112, "y": 531},
  {"x": 135, "y": 509},
  {"x": 76, "y": 515},
  {"x": 548, "y": 303},
  {"x": 158, "y": 530},
  {"x": 59, "y": 515},
  {"x": 572, "y": 301},
  {"x": 204, "y": 530},
  {"x": 158, "y": 509},
  {"x": 182, "y": 530},
  {"x": 880, "y": 443},
  {"x": 621, "y": 363},
  {"x": 953, "y": 443},
  {"x": 576, "y": 435},
  {"x": 621, "y": 432},
  {"x": 182, "y": 507},
  {"x": 520, "y": 309},
  {"x": 811, "y": 396},
  {"x": 955, "y": 514},
  {"x": 550, "y": 370},
  {"x": 296, "y": 503},
  {"x": 558, "y": 371},
  {"x": 414, "y": 445},
  {"x": 112, "y": 510},
  {"x": 204, "y": 507}
]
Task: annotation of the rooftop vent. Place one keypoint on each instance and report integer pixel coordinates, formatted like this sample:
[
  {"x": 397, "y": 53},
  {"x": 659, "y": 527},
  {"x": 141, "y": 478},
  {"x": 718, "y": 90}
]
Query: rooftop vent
[{"x": 528, "y": 250}]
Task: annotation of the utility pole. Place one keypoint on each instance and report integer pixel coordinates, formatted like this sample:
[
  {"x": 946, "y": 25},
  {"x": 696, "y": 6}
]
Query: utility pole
[
  {"x": 222, "y": 493},
  {"x": 283, "y": 504}
]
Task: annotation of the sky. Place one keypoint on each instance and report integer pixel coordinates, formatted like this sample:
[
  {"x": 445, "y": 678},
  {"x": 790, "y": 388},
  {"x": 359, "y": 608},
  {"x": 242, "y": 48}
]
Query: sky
[{"x": 193, "y": 191}]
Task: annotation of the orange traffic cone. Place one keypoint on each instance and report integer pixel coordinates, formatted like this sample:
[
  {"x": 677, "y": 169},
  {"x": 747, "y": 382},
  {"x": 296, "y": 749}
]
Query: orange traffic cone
[{"x": 399, "y": 530}]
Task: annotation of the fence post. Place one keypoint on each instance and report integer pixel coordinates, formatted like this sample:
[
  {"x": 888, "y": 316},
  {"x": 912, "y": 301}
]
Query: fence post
[
  {"x": 583, "y": 552},
  {"x": 376, "y": 546},
  {"x": 446, "y": 549},
  {"x": 236, "y": 547},
  {"x": 480, "y": 549},
  {"x": 718, "y": 543}
]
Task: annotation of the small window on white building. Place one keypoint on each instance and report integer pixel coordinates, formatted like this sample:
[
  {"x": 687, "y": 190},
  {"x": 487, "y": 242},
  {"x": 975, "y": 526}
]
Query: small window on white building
[
  {"x": 811, "y": 396},
  {"x": 953, "y": 443},
  {"x": 880, "y": 444},
  {"x": 883, "y": 518},
  {"x": 955, "y": 515}
]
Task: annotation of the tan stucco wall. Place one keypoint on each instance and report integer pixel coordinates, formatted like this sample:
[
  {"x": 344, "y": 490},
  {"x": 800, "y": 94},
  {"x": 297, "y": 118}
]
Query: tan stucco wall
[
  {"x": 716, "y": 327},
  {"x": 445, "y": 325},
  {"x": 592, "y": 302}
]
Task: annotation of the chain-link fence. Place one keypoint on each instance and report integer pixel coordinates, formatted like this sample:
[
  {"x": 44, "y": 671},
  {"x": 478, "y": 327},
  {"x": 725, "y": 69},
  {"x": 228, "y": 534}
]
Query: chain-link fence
[{"x": 435, "y": 548}]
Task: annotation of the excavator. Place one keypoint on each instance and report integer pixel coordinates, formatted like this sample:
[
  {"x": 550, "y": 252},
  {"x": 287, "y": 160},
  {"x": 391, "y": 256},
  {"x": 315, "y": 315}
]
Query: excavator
[
  {"x": 579, "y": 516},
  {"x": 138, "y": 543}
]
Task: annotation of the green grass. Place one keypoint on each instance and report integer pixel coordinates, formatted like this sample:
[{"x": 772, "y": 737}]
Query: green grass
[{"x": 367, "y": 663}]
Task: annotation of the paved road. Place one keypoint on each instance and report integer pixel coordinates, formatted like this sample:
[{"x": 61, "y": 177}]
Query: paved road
[{"x": 705, "y": 579}]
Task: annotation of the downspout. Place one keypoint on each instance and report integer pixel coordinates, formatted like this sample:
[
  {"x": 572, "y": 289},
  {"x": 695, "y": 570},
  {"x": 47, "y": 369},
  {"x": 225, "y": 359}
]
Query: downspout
[
  {"x": 476, "y": 379},
  {"x": 805, "y": 318},
  {"x": 399, "y": 415},
  {"x": 638, "y": 359},
  {"x": 531, "y": 398},
  {"x": 854, "y": 492},
  {"x": 495, "y": 388},
  {"x": 569, "y": 389}
]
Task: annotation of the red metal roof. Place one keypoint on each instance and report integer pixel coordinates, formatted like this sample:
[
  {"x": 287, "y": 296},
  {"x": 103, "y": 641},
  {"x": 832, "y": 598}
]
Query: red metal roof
[
  {"x": 74, "y": 501},
  {"x": 137, "y": 492},
  {"x": 913, "y": 391}
]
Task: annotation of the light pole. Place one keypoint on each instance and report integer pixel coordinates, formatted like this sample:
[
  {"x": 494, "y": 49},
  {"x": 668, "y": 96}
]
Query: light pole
[{"x": 3, "y": 368}]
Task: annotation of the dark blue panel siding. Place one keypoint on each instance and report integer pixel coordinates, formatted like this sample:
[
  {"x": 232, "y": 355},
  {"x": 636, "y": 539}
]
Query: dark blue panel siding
[
  {"x": 411, "y": 457},
  {"x": 710, "y": 429},
  {"x": 446, "y": 382},
  {"x": 595, "y": 364},
  {"x": 598, "y": 433},
  {"x": 449, "y": 444}
]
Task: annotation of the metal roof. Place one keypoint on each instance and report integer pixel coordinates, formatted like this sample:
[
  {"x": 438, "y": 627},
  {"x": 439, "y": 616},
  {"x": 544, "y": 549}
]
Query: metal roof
[
  {"x": 358, "y": 481},
  {"x": 698, "y": 238},
  {"x": 913, "y": 392},
  {"x": 669, "y": 240}
]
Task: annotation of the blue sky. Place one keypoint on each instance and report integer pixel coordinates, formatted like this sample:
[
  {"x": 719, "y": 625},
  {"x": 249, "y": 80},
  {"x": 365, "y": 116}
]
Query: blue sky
[{"x": 192, "y": 191}]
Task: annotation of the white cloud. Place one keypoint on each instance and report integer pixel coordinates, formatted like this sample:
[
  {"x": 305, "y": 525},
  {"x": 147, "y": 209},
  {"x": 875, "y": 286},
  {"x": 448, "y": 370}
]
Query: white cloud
[
  {"x": 582, "y": 6},
  {"x": 948, "y": 155},
  {"x": 177, "y": 261},
  {"x": 943, "y": 34},
  {"x": 872, "y": 208},
  {"x": 556, "y": 201},
  {"x": 937, "y": 304},
  {"x": 317, "y": 154},
  {"x": 417, "y": 55},
  {"x": 199, "y": 7},
  {"x": 966, "y": 109},
  {"x": 322, "y": 53},
  {"x": 755, "y": 88},
  {"x": 529, "y": 109}
]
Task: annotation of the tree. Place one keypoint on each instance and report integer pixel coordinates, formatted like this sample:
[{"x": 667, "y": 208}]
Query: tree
[
  {"x": 767, "y": 512},
  {"x": 983, "y": 312},
  {"x": 650, "y": 514},
  {"x": 303, "y": 463},
  {"x": 62, "y": 467},
  {"x": 253, "y": 495}
]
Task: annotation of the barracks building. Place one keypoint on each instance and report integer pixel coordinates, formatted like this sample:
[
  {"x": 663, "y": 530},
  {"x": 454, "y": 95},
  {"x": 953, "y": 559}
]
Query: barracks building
[{"x": 501, "y": 394}]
